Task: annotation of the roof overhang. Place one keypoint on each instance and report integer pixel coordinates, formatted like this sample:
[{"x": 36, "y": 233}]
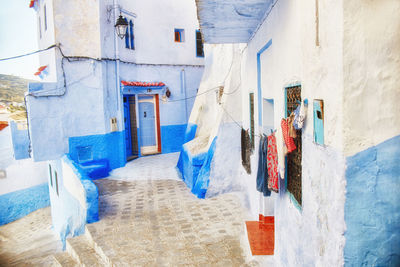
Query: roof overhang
[{"x": 230, "y": 21}]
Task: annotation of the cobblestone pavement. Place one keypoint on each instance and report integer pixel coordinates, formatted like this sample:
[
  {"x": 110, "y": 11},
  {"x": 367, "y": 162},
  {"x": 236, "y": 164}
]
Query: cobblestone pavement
[
  {"x": 29, "y": 241},
  {"x": 149, "y": 217},
  {"x": 160, "y": 223}
]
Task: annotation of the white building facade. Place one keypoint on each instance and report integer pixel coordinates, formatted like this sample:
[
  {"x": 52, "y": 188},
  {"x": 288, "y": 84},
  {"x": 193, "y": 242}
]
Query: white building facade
[
  {"x": 106, "y": 100},
  {"x": 338, "y": 201}
]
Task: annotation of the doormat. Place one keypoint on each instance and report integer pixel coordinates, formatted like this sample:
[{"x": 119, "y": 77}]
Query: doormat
[{"x": 261, "y": 235}]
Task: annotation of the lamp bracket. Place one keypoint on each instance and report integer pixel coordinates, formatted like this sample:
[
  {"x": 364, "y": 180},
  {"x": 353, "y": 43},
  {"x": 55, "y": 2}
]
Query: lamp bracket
[{"x": 110, "y": 8}]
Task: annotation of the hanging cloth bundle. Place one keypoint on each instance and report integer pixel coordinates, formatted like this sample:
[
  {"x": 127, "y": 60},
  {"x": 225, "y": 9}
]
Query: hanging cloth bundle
[
  {"x": 262, "y": 172},
  {"x": 246, "y": 150},
  {"x": 287, "y": 137},
  {"x": 272, "y": 160}
]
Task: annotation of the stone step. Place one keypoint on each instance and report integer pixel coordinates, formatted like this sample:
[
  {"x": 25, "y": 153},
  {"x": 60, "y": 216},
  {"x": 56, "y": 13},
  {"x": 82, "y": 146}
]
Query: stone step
[
  {"x": 80, "y": 248},
  {"x": 64, "y": 259},
  {"x": 99, "y": 248}
]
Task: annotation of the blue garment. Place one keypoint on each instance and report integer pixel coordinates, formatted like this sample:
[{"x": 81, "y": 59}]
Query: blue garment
[{"x": 262, "y": 172}]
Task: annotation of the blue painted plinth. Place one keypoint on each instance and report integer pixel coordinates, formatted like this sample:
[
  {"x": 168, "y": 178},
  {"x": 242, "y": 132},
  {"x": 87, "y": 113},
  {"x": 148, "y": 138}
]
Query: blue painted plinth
[
  {"x": 20, "y": 203},
  {"x": 372, "y": 209}
]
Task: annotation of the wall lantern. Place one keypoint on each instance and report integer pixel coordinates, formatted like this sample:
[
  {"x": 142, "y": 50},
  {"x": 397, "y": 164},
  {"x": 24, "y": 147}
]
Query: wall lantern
[
  {"x": 168, "y": 92},
  {"x": 121, "y": 26}
]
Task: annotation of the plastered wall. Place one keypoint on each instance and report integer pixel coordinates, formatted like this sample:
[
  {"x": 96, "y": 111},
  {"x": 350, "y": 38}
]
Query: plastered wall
[
  {"x": 371, "y": 53},
  {"x": 312, "y": 234},
  {"x": 154, "y": 32}
]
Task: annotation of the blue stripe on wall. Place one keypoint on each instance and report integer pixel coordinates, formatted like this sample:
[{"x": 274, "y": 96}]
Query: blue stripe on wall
[
  {"x": 172, "y": 137},
  {"x": 20, "y": 203},
  {"x": 372, "y": 209}
]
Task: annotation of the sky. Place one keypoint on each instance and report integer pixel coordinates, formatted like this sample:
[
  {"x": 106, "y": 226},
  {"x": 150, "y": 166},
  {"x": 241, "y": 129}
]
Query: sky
[{"x": 18, "y": 35}]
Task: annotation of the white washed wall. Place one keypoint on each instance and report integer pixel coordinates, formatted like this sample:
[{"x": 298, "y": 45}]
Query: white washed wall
[{"x": 313, "y": 235}]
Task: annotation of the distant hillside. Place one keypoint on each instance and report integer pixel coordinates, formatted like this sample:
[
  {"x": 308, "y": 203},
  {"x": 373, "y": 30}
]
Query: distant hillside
[{"x": 13, "y": 88}]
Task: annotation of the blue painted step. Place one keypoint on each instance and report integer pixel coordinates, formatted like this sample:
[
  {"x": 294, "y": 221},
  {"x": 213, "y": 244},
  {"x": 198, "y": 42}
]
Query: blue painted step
[{"x": 96, "y": 169}]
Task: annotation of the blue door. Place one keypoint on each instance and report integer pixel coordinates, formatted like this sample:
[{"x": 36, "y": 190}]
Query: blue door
[
  {"x": 147, "y": 122},
  {"x": 127, "y": 128}
]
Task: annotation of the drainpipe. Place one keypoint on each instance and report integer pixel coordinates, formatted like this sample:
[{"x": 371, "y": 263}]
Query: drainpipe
[
  {"x": 117, "y": 66},
  {"x": 183, "y": 90}
]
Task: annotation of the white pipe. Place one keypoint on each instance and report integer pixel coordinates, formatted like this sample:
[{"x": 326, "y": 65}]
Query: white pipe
[
  {"x": 117, "y": 67},
  {"x": 183, "y": 89}
]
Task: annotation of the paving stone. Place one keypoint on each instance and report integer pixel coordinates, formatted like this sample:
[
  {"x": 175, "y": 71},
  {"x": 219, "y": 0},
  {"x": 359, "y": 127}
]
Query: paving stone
[
  {"x": 21, "y": 244},
  {"x": 65, "y": 259},
  {"x": 148, "y": 217}
]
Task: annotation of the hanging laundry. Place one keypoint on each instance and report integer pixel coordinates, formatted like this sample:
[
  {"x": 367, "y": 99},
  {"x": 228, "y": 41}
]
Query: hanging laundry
[
  {"x": 292, "y": 130},
  {"x": 288, "y": 140},
  {"x": 246, "y": 150},
  {"x": 262, "y": 172},
  {"x": 272, "y": 160},
  {"x": 282, "y": 151},
  {"x": 300, "y": 115}
]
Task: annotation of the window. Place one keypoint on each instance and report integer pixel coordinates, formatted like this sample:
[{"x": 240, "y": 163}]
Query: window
[
  {"x": 51, "y": 176},
  {"x": 130, "y": 37},
  {"x": 294, "y": 169},
  {"x": 45, "y": 18},
  {"x": 179, "y": 35},
  {"x": 199, "y": 44},
  {"x": 56, "y": 178},
  {"x": 40, "y": 28}
]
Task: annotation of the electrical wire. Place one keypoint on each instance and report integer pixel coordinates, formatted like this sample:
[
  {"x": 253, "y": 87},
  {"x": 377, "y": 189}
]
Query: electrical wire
[{"x": 28, "y": 54}]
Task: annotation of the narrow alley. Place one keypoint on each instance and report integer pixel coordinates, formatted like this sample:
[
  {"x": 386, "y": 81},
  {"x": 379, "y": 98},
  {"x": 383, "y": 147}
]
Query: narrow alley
[{"x": 148, "y": 217}]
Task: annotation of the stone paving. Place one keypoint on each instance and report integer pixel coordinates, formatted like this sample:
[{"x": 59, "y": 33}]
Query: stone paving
[
  {"x": 148, "y": 217},
  {"x": 160, "y": 223},
  {"x": 29, "y": 241}
]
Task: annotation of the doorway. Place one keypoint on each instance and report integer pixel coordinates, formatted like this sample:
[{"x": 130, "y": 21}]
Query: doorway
[
  {"x": 131, "y": 137},
  {"x": 149, "y": 125}
]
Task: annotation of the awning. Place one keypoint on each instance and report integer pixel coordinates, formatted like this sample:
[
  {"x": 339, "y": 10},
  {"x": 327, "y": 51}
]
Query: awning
[
  {"x": 230, "y": 21},
  {"x": 136, "y": 87},
  {"x": 143, "y": 84}
]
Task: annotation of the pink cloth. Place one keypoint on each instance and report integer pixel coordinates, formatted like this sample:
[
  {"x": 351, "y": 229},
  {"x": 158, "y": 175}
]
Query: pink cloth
[
  {"x": 272, "y": 160},
  {"x": 288, "y": 140}
]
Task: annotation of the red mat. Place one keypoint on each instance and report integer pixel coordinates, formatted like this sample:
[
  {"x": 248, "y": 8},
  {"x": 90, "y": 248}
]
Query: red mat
[{"x": 261, "y": 235}]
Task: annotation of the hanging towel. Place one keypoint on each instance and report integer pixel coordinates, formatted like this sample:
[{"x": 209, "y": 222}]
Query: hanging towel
[
  {"x": 300, "y": 115},
  {"x": 262, "y": 172},
  {"x": 288, "y": 140},
  {"x": 282, "y": 151},
  {"x": 272, "y": 159},
  {"x": 245, "y": 145}
]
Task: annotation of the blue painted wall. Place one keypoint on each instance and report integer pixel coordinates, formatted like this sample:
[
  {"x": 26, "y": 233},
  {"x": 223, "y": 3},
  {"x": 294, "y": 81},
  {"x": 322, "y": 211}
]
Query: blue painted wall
[
  {"x": 109, "y": 146},
  {"x": 20, "y": 141},
  {"x": 372, "y": 209},
  {"x": 190, "y": 133},
  {"x": 20, "y": 203},
  {"x": 172, "y": 137},
  {"x": 195, "y": 169}
]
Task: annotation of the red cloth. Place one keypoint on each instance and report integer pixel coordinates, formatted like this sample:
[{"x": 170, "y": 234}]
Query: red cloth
[
  {"x": 272, "y": 160},
  {"x": 288, "y": 140}
]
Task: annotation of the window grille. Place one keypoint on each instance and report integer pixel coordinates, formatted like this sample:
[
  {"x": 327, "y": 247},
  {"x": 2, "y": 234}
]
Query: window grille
[
  {"x": 199, "y": 44},
  {"x": 294, "y": 168}
]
